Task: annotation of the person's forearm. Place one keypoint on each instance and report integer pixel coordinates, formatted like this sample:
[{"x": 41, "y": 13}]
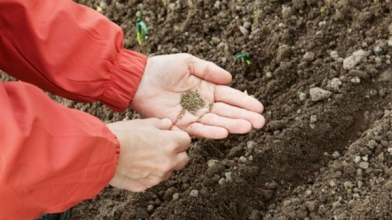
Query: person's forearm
[
  {"x": 51, "y": 157},
  {"x": 68, "y": 49}
]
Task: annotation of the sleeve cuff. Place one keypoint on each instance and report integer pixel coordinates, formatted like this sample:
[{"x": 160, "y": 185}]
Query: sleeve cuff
[{"x": 125, "y": 78}]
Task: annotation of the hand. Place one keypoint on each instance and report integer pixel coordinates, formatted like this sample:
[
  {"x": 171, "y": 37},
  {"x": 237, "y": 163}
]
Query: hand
[
  {"x": 150, "y": 150},
  {"x": 227, "y": 110}
]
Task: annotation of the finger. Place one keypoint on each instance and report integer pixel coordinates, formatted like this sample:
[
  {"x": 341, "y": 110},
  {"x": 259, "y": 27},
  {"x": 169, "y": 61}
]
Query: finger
[
  {"x": 237, "y": 98},
  {"x": 230, "y": 111},
  {"x": 206, "y": 131},
  {"x": 163, "y": 124},
  {"x": 182, "y": 160},
  {"x": 235, "y": 126},
  {"x": 209, "y": 71},
  {"x": 166, "y": 176},
  {"x": 181, "y": 138}
]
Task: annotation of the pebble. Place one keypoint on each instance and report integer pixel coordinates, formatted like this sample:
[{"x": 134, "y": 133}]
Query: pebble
[
  {"x": 229, "y": 176},
  {"x": 360, "y": 184},
  {"x": 313, "y": 118},
  {"x": 336, "y": 155},
  {"x": 221, "y": 181},
  {"x": 247, "y": 24},
  {"x": 332, "y": 183},
  {"x": 176, "y": 196},
  {"x": 372, "y": 144},
  {"x": 318, "y": 94},
  {"x": 357, "y": 159},
  {"x": 355, "y": 80},
  {"x": 365, "y": 158},
  {"x": 243, "y": 159},
  {"x": 390, "y": 150},
  {"x": 363, "y": 165},
  {"x": 309, "y": 56},
  {"x": 334, "y": 85},
  {"x": 334, "y": 55},
  {"x": 250, "y": 144},
  {"x": 268, "y": 74},
  {"x": 302, "y": 96},
  {"x": 336, "y": 204},
  {"x": 378, "y": 51},
  {"x": 348, "y": 185},
  {"x": 212, "y": 162},
  {"x": 217, "y": 4},
  {"x": 194, "y": 193},
  {"x": 355, "y": 59},
  {"x": 150, "y": 208},
  {"x": 244, "y": 31}
]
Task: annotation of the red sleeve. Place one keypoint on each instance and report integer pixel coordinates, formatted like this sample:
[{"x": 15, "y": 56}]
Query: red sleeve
[
  {"x": 51, "y": 157},
  {"x": 68, "y": 49}
]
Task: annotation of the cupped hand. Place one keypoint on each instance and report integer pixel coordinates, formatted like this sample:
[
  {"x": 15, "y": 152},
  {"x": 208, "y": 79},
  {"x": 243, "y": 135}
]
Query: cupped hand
[
  {"x": 150, "y": 150},
  {"x": 226, "y": 109}
]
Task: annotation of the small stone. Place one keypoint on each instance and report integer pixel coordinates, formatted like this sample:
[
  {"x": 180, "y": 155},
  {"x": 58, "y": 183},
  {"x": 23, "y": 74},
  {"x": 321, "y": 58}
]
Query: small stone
[
  {"x": 212, "y": 162},
  {"x": 302, "y": 96},
  {"x": 169, "y": 194},
  {"x": 215, "y": 40},
  {"x": 332, "y": 183},
  {"x": 268, "y": 74},
  {"x": 357, "y": 159},
  {"x": 336, "y": 155},
  {"x": 364, "y": 165},
  {"x": 194, "y": 193},
  {"x": 341, "y": 216},
  {"x": 390, "y": 150},
  {"x": 311, "y": 206},
  {"x": 365, "y": 158},
  {"x": 150, "y": 208},
  {"x": 334, "y": 85},
  {"x": 355, "y": 59},
  {"x": 318, "y": 94},
  {"x": 336, "y": 204},
  {"x": 176, "y": 196},
  {"x": 378, "y": 50},
  {"x": 244, "y": 31},
  {"x": 229, "y": 176},
  {"x": 221, "y": 181},
  {"x": 381, "y": 157},
  {"x": 247, "y": 24},
  {"x": 243, "y": 159},
  {"x": 372, "y": 144},
  {"x": 355, "y": 80},
  {"x": 217, "y": 4},
  {"x": 334, "y": 55},
  {"x": 250, "y": 144},
  {"x": 313, "y": 118},
  {"x": 360, "y": 184},
  {"x": 309, "y": 56},
  {"x": 348, "y": 185}
]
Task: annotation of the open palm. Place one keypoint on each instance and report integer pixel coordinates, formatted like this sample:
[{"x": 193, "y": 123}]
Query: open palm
[{"x": 226, "y": 110}]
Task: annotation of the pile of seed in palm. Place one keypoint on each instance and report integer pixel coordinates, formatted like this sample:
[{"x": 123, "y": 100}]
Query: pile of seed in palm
[{"x": 191, "y": 101}]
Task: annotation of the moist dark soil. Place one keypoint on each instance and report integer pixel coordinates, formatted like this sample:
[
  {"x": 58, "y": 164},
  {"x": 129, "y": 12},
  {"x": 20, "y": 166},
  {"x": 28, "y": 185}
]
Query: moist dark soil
[{"x": 323, "y": 155}]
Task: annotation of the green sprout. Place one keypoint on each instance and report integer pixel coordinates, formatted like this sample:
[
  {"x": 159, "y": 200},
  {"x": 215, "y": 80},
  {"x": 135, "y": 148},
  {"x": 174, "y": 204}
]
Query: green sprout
[
  {"x": 323, "y": 10},
  {"x": 141, "y": 29},
  {"x": 245, "y": 56},
  {"x": 256, "y": 16}
]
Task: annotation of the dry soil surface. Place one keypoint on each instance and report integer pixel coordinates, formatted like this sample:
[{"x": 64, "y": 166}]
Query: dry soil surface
[{"x": 321, "y": 68}]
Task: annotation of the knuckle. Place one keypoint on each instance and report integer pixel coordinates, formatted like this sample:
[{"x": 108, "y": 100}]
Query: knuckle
[{"x": 167, "y": 166}]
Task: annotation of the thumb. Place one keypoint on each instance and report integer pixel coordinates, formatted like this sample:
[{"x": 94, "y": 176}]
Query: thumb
[{"x": 163, "y": 124}]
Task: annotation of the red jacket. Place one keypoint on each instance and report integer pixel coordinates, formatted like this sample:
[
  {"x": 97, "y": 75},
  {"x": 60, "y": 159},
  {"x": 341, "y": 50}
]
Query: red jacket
[{"x": 51, "y": 157}]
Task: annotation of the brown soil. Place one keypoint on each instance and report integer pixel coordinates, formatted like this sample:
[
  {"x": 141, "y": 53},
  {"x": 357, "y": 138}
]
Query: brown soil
[{"x": 325, "y": 159}]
